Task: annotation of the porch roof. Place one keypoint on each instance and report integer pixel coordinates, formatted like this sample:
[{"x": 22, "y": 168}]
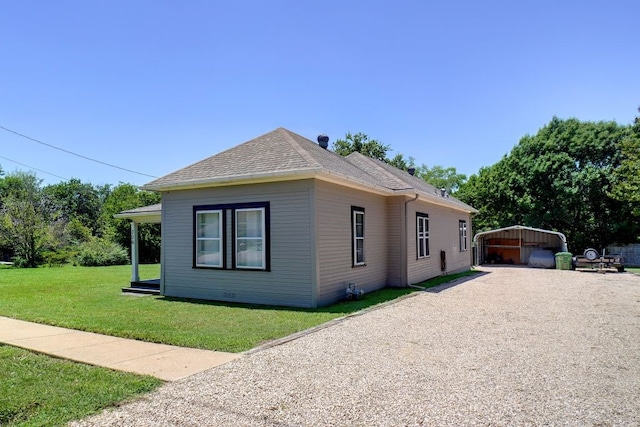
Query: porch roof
[{"x": 151, "y": 214}]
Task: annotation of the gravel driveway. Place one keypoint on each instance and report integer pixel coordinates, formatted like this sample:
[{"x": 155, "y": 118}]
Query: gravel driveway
[{"x": 512, "y": 346}]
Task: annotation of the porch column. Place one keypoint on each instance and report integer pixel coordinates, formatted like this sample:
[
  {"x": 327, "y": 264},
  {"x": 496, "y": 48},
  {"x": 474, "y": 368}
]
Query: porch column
[{"x": 135, "y": 277}]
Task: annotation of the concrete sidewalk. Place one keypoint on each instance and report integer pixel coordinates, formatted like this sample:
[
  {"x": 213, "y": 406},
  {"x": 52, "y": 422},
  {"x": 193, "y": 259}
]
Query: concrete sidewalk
[{"x": 167, "y": 362}]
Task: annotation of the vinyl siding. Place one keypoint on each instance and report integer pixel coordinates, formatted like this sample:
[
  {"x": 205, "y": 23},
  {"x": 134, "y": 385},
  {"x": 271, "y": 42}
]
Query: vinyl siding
[
  {"x": 334, "y": 246},
  {"x": 395, "y": 225},
  {"x": 443, "y": 236},
  {"x": 290, "y": 280}
]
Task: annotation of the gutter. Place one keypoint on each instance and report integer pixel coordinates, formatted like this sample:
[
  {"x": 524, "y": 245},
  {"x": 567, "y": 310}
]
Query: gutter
[{"x": 405, "y": 255}]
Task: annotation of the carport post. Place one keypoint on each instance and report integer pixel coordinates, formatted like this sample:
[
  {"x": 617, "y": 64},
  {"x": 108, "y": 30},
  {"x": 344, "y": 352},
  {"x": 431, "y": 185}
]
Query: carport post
[{"x": 135, "y": 277}]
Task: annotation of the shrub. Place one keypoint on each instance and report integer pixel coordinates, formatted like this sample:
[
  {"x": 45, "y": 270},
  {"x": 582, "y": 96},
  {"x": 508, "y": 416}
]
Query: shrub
[
  {"x": 100, "y": 252},
  {"x": 55, "y": 258}
]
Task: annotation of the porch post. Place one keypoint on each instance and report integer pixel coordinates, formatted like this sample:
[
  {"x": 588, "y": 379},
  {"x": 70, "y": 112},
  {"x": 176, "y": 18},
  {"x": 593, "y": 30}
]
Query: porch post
[{"x": 135, "y": 277}]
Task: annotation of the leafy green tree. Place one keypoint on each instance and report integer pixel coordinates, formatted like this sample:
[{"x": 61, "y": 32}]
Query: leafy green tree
[
  {"x": 127, "y": 196},
  {"x": 627, "y": 175},
  {"x": 22, "y": 223},
  {"x": 73, "y": 200},
  {"x": 361, "y": 143},
  {"x": 442, "y": 177},
  {"x": 559, "y": 179},
  {"x": 400, "y": 162}
]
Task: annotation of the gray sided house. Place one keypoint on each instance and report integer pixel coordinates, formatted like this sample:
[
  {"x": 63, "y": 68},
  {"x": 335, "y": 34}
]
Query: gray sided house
[{"x": 280, "y": 220}]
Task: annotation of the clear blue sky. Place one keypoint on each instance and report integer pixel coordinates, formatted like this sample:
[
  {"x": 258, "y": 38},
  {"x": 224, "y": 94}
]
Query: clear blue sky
[{"x": 156, "y": 85}]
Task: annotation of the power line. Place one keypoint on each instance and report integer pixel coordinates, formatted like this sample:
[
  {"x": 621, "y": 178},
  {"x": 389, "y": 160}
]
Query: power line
[
  {"x": 75, "y": 154},
  {"x": 36, "y": 169}
]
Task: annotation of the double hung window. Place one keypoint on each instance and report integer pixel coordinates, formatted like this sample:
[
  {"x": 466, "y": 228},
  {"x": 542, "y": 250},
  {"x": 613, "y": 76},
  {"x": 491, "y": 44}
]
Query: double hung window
[
  {"x": 357, "y": 235},
  {"x": 462, "y": 233},
  {"x": 250, "y": 236},
  {"x": 422, "y": 235},
  {"x": 239, "y": 231},
  {"x": 209, "y": 242}
]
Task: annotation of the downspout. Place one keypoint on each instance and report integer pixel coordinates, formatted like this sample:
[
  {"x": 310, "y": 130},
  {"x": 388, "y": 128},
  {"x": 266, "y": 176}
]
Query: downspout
[{"x": 405, "y": 250}]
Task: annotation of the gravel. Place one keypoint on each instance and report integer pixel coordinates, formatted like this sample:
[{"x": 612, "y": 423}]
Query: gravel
[{"x": 512, "y": 346}]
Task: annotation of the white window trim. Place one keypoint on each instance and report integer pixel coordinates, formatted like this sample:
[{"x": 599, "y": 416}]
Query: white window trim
[
  {"x": 220, "y": 239},
  {"x": 423, "y": 240},
  {"x": 263, "y": 239},
  {"x": 355, "y": 214}
]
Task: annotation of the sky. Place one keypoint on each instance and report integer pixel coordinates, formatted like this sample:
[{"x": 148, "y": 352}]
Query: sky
[{"x": 152, "y": 85}]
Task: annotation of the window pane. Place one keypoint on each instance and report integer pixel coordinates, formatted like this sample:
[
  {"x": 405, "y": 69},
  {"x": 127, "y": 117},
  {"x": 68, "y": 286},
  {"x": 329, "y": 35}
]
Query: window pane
[
  {"x": 359, "y": 250},
  {"x": 209, "y": 224},
  {"x": 249, "y": 223},
  {"x": 359, "y": 224},
  {"x": 249, "y": 253},
  {"x": 208, "y": 253}
]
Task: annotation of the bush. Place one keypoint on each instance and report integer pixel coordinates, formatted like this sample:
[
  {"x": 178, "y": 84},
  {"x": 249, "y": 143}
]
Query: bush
[
  {"x": 55, "y": 258},
  {"x": 101, "y": 252}
]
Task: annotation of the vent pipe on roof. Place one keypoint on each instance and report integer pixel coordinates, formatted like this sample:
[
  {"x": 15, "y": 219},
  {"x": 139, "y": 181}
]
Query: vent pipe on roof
[
  {"x": 443, "y": 192},
  {"x": 323, "y": 141},
  {"x": 412, "y": 171}
]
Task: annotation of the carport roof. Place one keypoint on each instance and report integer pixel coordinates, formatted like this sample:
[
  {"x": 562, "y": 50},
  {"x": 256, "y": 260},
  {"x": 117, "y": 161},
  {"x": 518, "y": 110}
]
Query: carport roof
[{"x": 561, "y": 236}]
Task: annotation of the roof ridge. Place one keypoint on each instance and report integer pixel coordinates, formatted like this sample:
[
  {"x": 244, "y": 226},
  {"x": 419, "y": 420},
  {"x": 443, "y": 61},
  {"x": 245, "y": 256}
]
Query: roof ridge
[
  {"x": 381, "y": 168},
  {"x": 296, "y": 146}
]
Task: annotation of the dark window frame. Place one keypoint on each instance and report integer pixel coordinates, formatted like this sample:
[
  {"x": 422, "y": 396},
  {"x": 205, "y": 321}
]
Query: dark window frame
[
  {"x": 424, "y": 218},
  {"x": 231, "y": 208},
  {"x": 354, "y": 262},
  {"x": 463, "y": 235}
]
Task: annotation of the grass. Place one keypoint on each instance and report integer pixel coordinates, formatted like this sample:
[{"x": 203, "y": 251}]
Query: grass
[
  {"x": 89, "y": 299},
  {"x": 439, "y": 280},
  {"x": 635, "y": 270},
  {"x": 36, "y": 390}
]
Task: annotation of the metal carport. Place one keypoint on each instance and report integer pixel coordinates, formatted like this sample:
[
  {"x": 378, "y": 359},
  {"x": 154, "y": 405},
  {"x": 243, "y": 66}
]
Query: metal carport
[{"x": 514, "y": 245}]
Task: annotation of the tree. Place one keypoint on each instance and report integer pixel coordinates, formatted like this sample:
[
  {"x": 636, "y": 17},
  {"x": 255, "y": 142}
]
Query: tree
[
  {"x": 627, "y": 175},
  {"x": 559, "y": 179},
  {"x": 22, "y": 223},
  {"x": 360, "y": 142},
  {"x": 127, "y": 196},
  {"x": 441, "y": 177},
  {"x": 74, "y": 200}
]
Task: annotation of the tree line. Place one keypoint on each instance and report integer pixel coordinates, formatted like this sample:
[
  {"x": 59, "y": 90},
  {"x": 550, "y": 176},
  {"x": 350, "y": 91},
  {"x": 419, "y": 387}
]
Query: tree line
[
  {"x": 70, "y": 221},
  {"x": 580, "y": 178}
]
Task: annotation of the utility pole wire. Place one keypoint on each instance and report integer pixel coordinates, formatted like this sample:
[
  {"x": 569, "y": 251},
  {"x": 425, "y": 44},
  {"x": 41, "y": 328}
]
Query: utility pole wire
[
  {"x": 36, "y": 169},
  {"x": 75, "y": 154}
]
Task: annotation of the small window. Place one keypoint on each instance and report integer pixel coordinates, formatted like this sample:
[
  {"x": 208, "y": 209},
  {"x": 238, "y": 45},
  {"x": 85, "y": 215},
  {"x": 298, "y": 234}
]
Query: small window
[
  {"x": 250, "y": 239},
  {"x": 422, "y": 235},
  {"x": 208, "y": 238},
  {"x": 462, "y": 232},
  {"x": 357, "y": 235}
]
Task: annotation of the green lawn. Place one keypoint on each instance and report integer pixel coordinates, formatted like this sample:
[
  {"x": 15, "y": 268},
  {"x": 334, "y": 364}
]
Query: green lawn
[
  {"x": 36, "y": 390},
  {"x": 632, "y": 269},
  {"x": 89, "y": 298}
]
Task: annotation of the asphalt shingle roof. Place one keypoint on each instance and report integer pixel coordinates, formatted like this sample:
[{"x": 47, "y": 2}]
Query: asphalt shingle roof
[{"x": 282, "y": 152}]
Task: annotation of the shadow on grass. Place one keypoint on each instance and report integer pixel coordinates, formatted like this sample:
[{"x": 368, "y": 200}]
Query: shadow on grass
[
  {"x": 434, "y": 285},
  {"x": 459, "y": 279},
  {"x": 342, "y": 307}
]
